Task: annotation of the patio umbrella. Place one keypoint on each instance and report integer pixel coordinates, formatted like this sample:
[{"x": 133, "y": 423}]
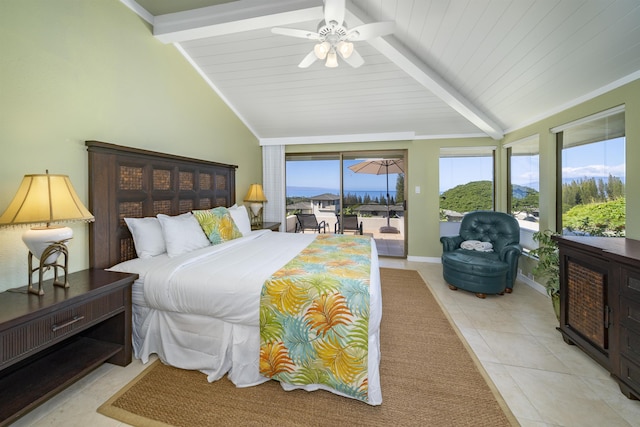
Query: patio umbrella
[{"x": 379, "y": 167}]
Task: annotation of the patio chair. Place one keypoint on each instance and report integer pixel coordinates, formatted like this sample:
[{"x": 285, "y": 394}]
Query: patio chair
[
  {"x": 349, "y": 223},
  {"x": 309, "y": 222}
]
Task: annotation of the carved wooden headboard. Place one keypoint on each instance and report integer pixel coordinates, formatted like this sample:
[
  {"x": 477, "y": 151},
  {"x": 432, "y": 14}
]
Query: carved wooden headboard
[{"x": 134, "y": 183}]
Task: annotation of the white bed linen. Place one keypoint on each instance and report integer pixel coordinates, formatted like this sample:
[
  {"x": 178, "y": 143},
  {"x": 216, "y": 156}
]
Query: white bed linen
[{"x": 175, "y": 319}]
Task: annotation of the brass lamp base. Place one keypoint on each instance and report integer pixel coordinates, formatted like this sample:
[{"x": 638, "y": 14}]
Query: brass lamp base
[
  {"x": 256, "y": 218},
  {"x": 53, "y": 252}
]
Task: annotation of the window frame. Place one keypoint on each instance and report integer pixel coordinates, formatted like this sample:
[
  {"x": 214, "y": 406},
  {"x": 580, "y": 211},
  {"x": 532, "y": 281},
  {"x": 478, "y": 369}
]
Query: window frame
[{"x": 559, "y": 132}]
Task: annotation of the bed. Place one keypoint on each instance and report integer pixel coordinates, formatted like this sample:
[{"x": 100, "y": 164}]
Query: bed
[{"x": 226, "y": 308}]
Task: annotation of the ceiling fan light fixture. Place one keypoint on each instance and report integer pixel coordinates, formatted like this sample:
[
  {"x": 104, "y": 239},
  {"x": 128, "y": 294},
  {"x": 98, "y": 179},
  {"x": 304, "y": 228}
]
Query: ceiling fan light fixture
[
  {"x": 321, "y": 50},
  {"x": 333, "y": 37},
  {"x": 345, "y": 49},
  {"x": 332, "y": 59}
]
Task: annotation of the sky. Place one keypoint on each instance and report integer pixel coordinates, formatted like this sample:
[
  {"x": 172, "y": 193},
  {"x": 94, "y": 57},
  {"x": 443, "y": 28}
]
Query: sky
[
  {"x": 326, "y": 174},
  {"x": 585, "y": 161},
  {"x": 590, "y": 160}
]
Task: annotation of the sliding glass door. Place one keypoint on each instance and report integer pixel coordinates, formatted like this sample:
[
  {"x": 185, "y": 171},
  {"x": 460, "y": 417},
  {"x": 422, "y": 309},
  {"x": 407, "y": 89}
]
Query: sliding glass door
[
  {"x": 373, "y": 191},
  {"x": 351, "y": 193}
]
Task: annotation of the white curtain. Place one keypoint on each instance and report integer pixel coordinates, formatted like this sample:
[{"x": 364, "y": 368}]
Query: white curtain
[{"x": 273, "y": 183}]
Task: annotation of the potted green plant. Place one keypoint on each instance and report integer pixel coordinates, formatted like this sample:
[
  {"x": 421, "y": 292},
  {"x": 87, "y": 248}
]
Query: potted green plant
[{"x": 548, "y": 268}]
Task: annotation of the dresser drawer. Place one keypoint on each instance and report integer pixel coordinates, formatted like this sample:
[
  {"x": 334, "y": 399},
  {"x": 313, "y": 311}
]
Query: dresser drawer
[
  {"x": 630, "y": 283},
  {"x": 630, "y": 314},
  {"x": 630, "y": 373},
  {"x": 630, "y": 344},
  {"x": 28, "y": 338}
]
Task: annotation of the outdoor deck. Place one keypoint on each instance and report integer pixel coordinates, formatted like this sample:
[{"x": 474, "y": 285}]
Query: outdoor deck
[{"x": 388, "y": 244}]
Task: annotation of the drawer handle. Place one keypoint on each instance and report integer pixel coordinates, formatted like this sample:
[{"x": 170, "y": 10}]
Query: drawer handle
[{"x": 70, "y": 322}]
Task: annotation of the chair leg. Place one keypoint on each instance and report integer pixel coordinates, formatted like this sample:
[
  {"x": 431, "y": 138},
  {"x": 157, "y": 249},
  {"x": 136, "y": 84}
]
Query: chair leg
[
  {"x": 481, "y": 295},
  {"x": 453, "y": 288}
]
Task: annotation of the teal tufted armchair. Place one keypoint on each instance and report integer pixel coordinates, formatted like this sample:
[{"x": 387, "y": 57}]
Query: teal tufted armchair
[{"x": 491, "y": 272}]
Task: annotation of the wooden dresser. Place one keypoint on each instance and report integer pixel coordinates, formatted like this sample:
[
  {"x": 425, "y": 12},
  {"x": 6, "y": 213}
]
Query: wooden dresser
[
  {"x": 600, "y": 303},
  {"x": 48, "y": 342}
]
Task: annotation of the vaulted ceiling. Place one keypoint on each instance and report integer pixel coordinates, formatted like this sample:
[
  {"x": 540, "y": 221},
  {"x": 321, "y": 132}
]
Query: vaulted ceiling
[{"x": 456, "y": 68}]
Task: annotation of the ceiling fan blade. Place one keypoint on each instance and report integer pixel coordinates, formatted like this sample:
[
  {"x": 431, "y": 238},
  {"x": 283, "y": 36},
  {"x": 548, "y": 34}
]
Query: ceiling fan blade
[
  {"x": 308, "y": 60},
  {"x": 370, "y": 31},
  {"x": 292, "y": 32},
  {"x": 334, "y": 11},
  {"x": 355, "y": 60}
]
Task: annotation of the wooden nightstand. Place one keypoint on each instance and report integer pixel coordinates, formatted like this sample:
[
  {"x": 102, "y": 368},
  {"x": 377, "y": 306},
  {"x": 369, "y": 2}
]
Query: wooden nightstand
[
  {"x": 273, "y": 226},
  {"x": 48, "y": 342}
]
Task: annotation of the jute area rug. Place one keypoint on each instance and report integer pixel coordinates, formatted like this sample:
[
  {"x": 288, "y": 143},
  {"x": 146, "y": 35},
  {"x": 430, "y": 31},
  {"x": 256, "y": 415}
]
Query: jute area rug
[{"x": 428, "y": 378}]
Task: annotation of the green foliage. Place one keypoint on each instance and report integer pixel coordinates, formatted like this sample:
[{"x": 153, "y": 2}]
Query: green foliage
[
  {"x": 476, "y": 195},
  {"x": 351, "y": 199},
  {"x": 400, "y": 188},
  {"x": 590, "y": 190},
  {"x": 590, "y": 206},
  {"x": 548, "y": 266},
  {"x": 597, "y": 219}
]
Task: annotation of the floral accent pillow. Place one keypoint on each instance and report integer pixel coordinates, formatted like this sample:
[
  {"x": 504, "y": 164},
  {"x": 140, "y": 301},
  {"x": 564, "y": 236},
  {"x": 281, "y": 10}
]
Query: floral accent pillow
[{"x": 218, "y": 225}]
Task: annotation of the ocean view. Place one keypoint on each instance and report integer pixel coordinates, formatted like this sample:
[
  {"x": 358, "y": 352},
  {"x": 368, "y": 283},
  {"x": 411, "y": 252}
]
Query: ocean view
[{"x": 315, "y": 191}]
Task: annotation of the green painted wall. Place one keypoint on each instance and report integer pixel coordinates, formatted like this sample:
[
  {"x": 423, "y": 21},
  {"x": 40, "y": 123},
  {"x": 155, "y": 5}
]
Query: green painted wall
[{"x": 76, "y": 70}]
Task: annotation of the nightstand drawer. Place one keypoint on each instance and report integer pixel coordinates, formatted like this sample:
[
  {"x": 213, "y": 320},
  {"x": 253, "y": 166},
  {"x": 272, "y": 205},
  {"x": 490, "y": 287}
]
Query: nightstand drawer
[{"x": 28, "y": 338}]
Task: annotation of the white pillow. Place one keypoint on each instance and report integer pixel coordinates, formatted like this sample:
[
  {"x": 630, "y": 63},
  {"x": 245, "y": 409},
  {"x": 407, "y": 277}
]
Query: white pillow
[
  {"x": 147, "y": 236},
  {"x": 182, "y": 233},
  {"x": 241, "y": 218}
]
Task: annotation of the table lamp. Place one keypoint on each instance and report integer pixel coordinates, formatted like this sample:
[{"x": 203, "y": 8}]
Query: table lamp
[
  {"x": 255, "y": 197},
  {"x": 45, "y": 201}
]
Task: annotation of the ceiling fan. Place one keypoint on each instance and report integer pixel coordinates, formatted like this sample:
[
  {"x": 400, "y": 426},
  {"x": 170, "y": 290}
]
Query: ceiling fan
[{"x": 334, "y": 38}]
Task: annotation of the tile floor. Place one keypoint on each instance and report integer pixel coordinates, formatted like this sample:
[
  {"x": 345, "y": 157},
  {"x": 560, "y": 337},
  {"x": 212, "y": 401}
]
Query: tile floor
[{"x": 544, "y": 381}]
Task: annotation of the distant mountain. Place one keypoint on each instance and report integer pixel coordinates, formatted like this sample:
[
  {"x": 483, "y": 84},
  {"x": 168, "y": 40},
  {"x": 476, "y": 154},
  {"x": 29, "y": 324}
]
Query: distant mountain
[{"x": 520, "y": 191}]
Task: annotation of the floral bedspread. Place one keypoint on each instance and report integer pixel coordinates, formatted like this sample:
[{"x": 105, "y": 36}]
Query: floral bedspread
[{"x": 314, "y": 316}]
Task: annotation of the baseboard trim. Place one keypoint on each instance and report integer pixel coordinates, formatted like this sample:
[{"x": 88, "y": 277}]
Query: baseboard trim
[
  {"x": 424, "y": 259},
  {"x": 532, "y": 283}
]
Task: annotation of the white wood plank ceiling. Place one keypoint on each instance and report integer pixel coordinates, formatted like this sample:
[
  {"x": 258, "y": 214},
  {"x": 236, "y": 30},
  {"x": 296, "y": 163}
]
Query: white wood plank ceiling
[{"x": 451, "y": 68}]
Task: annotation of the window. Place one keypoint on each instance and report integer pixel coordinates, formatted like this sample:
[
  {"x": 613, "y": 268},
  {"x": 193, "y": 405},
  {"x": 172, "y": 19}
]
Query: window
[
  {"x": 591, "y": 175},
  {"x": 523, "y": 174},
  {"x": 466, "y": 181}
]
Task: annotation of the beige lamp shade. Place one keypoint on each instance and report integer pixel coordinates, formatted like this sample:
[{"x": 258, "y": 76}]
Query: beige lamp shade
[
  {"x": 255, "y": 197},
  {"x": 45, "y": 199},
  {"x": 255, "y": 194}
]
